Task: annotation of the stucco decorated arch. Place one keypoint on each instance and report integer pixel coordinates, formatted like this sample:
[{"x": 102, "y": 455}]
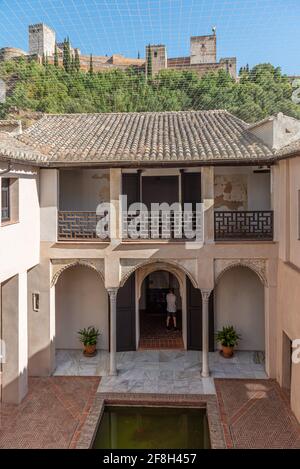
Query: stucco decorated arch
[
  {"x": 142, "y": 268},
  {"x": 145, "y": 267},
  {"x": 150, "y": 268},
  {"x": 59, "y": 266},
  {"x": 258, "y": 266}
]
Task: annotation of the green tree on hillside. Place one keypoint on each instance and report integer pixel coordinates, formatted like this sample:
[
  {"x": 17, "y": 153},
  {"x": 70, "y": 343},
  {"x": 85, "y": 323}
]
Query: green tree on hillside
[
  {"x": 67, "y": 55},
  {"x": 55, "y": 56},
  {"x": 77, "y": 60},
  {"x": 72, "y": 68},
  {"x": 261, "y": 90},
  {"x": 149, "y": 62},
  {"x": 91, "y": 68}
]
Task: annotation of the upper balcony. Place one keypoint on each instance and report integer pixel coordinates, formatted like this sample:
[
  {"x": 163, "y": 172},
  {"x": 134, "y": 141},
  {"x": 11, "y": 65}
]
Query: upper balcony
[{"x": 242, "y": 203}]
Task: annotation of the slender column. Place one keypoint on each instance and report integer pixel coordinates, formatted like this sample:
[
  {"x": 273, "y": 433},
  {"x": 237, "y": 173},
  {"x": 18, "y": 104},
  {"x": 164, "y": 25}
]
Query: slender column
[
  {"x": 205, "y": 332},
  {"x": 115, "y": 186},
  {"x": 113, "y": 330},
  {"x": 208, "y": 203}
]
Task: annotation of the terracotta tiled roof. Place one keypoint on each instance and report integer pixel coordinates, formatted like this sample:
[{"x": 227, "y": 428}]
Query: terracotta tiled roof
[
  {"x": 165, "y": 136},
  {"x": 191, "y": 136},
  {"x": 12, "y": 148}
]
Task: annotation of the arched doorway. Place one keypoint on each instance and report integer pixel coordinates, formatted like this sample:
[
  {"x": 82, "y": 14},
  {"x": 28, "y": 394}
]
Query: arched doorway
[
  {"x": 239, "y": 301},
  {"x": 132, "y": 306},
  {"x": 80, "y": 301},
  {"x": 153, "y": 312}
]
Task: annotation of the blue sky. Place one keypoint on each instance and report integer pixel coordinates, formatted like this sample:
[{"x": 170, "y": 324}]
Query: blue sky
[{"x": 254, "y": 31}]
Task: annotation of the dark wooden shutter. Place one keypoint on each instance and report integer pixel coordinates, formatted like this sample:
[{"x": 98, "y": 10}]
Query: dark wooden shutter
[
  {"x": 191, "y": 188},
  {"x": 158, "y": 189},
  {"x": 126, "y": 316},
  {"x": 131, "y": 187},
  {"x": 194, "y": 316}
]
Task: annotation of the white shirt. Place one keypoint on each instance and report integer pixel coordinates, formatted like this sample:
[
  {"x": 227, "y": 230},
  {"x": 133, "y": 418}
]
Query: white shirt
[{"x": 171, "y": 303}]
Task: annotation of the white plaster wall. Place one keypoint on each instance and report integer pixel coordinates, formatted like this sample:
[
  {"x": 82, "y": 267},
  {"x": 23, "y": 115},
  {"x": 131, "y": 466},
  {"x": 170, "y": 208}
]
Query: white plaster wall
[
  {"x": 287, "y": 210},
  {"x": 294, "y": 174},
  {"x": 258, "y": 186},
  {"x": 278, "y": 131},
  {"x": 288, "y": 300},
  {"x": 81, "y": 301},
  {"x": 83, "y": 189},
  {"x": 265, "y": 132},
  {"x": 239, "y": 301},
  {"x": 23, "y": 330},
  {"x": 20, "y": 242},
  {"x": 49, "y": 204},
  {"x": 259, "y": 191},
  {"x": 14, "y": 333},
  {"x": 286, "y": 130}
]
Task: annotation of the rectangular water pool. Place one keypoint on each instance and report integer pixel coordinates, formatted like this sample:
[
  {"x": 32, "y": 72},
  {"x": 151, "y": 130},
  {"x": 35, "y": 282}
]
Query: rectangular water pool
[{"x": 152, "y": 428}]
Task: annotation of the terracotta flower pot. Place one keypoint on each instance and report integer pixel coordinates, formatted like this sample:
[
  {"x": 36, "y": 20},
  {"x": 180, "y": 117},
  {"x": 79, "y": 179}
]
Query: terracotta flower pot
[
  {"x": 89, "y": 350},
  {"x": 227, "y": 352}
]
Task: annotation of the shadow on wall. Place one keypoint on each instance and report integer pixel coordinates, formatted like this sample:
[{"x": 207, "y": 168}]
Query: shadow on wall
[
  {"x": 239, "y": 301},
  {"x": 81, "y": 300},
  {"x": 40, "y": 364},
  {"x": 14, "y": 391}
]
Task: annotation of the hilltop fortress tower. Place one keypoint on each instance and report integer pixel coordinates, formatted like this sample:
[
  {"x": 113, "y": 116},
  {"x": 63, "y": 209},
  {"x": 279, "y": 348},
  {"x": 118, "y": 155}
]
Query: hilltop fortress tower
[
  {"x": 202, "y": 58},
  {"x": 203, "y": 49},
  {"x": 42, "y": 40}
]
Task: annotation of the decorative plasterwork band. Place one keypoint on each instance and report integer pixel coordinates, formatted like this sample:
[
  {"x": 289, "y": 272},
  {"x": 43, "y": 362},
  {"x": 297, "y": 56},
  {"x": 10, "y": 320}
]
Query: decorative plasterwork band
[
  {"x": 257, "y": 265},
  {"x": 188, "y": 266},
  {"x": 60, "y": 265}
]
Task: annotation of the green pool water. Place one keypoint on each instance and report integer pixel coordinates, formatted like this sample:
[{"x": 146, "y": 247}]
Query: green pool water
[{"x": 152, "y": 428}]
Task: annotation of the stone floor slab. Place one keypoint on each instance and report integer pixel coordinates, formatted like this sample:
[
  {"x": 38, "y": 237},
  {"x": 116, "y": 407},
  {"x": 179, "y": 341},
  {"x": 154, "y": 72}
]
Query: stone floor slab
[{"x": 159, "y": 370}]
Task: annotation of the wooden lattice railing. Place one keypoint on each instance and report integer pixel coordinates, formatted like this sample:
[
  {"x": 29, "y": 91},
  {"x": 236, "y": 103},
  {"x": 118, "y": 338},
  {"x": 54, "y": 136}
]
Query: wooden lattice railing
[
  {"x": 244, "y": 225},
  {"x": 77, "y": 225},
  {"x": 73, "y": 225}
]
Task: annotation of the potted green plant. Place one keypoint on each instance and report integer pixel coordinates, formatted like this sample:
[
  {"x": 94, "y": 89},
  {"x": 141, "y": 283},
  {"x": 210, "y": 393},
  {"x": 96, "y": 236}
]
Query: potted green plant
[
  {"x": 228, "y": 338},
  {"x": 89, "y": 336}
]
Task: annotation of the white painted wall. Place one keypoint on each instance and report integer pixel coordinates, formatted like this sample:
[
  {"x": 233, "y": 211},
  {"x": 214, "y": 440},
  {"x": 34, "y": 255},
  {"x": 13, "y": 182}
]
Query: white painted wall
[
  {"x": 83, "y": 189},
  {"x": 278, "y": 131},
  {"x": 258, "y": 186},
  {"x": 294, "y": 173},
  {"x": 265, "y": 132},
  {"x": 81, "y": 301},
  {"x": 19, "y": 252},
  {"x": 287, "y": 210},
  {"x": 23, "y": 332},
  {"x": 49, "y": 204},
  {"x": 259, "y": 191},
  {"x": 20, "y": 242},
  {"x": 14, "y": 334},
  {"x": 239, "y": 301}
]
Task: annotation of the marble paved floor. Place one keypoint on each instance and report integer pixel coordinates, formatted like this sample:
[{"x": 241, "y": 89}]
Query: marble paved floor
[{"x": 161, "y": 371}]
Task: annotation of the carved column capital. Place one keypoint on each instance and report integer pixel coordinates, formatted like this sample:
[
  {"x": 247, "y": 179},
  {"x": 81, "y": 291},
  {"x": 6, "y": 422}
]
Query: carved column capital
[
  {"x": 113, "y": 293},
  {"x": 205, "y": 292}
]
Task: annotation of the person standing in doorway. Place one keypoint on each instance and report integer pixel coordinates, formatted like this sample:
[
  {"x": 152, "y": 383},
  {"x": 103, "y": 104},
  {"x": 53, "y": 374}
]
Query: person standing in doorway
[{"x": 171, "y": 309}]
